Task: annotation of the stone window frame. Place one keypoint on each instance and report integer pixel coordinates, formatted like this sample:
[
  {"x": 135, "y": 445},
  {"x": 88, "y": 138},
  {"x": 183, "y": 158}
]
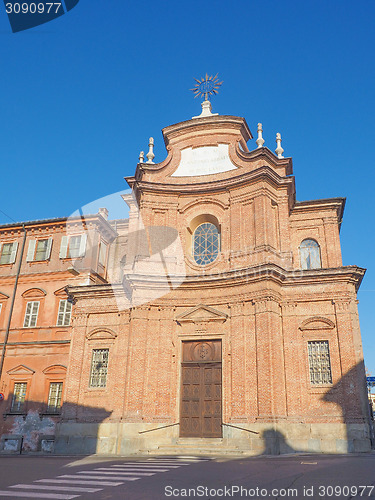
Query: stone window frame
[
  {"x": 65, "y": 313},
  {"x": 98, "y": 339},
  {"x": 32, "y": 251},
  {"x": 12, "y": 254},
  {"x": 195, "y": 222},
  {"x": 315, "y": 329},
  {"x": 65, "y": 246},
  {"x": 53, "y": 374},
  {"x": 33, "y": 295},
  {"x": 98, "y": 375},
  {"x": 320, "y": 384}
]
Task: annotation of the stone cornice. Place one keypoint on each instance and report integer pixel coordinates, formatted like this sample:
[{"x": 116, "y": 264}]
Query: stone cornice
[
  {"x": 210, "y": 124},
  {"x": 262, "y": 173},
  {"x": 336, "y": 204},
  {"x": 268, "y": 155},
  {"x": 270, "y": 272}
]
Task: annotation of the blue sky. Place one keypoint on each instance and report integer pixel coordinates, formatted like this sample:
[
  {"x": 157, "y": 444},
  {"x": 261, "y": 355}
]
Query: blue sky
[{"x": 81, "y": 95}]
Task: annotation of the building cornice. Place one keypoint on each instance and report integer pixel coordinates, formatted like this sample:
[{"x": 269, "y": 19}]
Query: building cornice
[
  {"x": 262, "y": 173},
  {"x": 336, "y": 204},
  {"x": 270, "y": 272}
]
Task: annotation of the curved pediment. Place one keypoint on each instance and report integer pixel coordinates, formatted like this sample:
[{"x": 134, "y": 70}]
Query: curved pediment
[
  {"x": 101, "y": 334},
  {"x": 317, "y": 323},
  {"x": 55, "y": 370},
  {"x": 34, "y": 293},
  {"x": 201, "y": 313}
]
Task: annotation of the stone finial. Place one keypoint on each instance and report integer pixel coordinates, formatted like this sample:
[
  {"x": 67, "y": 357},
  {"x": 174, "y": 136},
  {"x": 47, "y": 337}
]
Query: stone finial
[
  {"x": 150, "y": 155},
  {"x": 206, "y": 110},
  {"x": 260, "y": 140},
  {"x": 103, "y": 212},
  {"x": 141, "y": 157},
  {"x": 279, "y": 150}
]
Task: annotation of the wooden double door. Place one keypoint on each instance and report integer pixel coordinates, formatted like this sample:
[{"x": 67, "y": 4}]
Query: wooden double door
[{"x": 201, "y": 392}]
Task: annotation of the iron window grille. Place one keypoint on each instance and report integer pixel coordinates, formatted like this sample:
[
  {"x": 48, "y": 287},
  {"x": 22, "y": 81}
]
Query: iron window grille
[
  {"x": 19, "y": 397},
  {"x": 99, "y": 368},
  {"x": 319, "y": 362},
  {"x": 206, "y": 243},
  {"x": 31, "y": 315},
  {"x": 54, "y": 397},
  {"x": 64, "y": 314}
]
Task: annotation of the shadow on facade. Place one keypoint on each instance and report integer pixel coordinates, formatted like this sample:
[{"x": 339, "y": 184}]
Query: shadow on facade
[
  {"x": 35, "y": 430},
  {"x": 350, "y": 395}
]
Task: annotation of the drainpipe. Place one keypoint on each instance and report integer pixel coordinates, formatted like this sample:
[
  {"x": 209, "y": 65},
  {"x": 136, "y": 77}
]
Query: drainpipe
[{"x": 12, "y": 303}]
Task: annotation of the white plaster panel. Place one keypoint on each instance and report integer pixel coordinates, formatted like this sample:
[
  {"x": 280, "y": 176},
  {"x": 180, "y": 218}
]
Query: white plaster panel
[{"x": 206, "y": 160}]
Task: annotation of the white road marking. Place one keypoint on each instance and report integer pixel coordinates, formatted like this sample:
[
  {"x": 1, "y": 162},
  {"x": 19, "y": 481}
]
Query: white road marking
[
  {"x": 132, "y": 468},
  {"x": 98, "y": 478},
  {"x": 78, "y": 481},
  {"x": 56, "y": 488},
  {"x": 27, "y": 494},
  {"x": 120, "y": 472},
  {"x": 148, "y": 464}
]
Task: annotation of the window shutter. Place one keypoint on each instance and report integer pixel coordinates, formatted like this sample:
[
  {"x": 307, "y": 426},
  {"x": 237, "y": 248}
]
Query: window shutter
[
  {"x": 49, "y": 246},
  {"x": 82, "y": 246},
  {"x": 63, "y": 247},
  {"x": 31, "y": 251},
  {"x": 13, "y": 253}
]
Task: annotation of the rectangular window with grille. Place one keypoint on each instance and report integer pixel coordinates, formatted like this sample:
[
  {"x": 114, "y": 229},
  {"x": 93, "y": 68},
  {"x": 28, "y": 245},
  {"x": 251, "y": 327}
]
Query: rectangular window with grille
[
  {"x": 31, "y": 315},
  {"x": 54, "y": 397},
  {"x": 19, "y": 397},
  {"x": 65, "y": 313},
  {"x": 99, "y": 368},
  {"x": 319, "y": 362}
]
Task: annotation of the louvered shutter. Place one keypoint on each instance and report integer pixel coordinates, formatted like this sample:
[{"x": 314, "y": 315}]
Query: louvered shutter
[
  {"x": 31, "y": 251},
  {"x": 63, "y": 247},
  {"x": 49, "y": 246},
  {"x": 13, "y": 253},
  {"x": 82, "y": 246}
]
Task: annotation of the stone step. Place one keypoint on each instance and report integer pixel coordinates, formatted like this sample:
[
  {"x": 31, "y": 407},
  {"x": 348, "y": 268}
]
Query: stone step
[
  {"x": 198, "y": 447},
  {"x": 180, "y": 450}
]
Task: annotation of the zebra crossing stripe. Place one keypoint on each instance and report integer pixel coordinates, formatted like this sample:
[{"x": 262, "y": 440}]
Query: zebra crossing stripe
[
  {"x": 111, "y": 472},
  {"x": 135, "y": 469},
  {"x": 144, "y": 464},
  {"x": 79, "y": 481},
  {"x": 98, "y": 478},
  {"x": 56, "y": 488},
  {"x": 29, "y": 494}
]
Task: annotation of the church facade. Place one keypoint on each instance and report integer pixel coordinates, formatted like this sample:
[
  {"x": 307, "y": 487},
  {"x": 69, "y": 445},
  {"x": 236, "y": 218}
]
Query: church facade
[{"x": 223, "y": 320}]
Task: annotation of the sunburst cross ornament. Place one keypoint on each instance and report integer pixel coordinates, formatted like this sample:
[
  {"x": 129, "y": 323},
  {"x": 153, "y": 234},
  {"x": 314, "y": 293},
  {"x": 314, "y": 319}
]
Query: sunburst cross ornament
[{"x": 207, "y": 86}]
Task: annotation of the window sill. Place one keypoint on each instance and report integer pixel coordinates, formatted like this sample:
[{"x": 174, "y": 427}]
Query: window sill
[
  {"x": 14, "y": 414},
  {"x": 321, "y": 389}
]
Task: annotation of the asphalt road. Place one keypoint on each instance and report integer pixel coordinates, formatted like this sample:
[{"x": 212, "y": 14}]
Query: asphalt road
[{"x": 148, "y": 478}]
